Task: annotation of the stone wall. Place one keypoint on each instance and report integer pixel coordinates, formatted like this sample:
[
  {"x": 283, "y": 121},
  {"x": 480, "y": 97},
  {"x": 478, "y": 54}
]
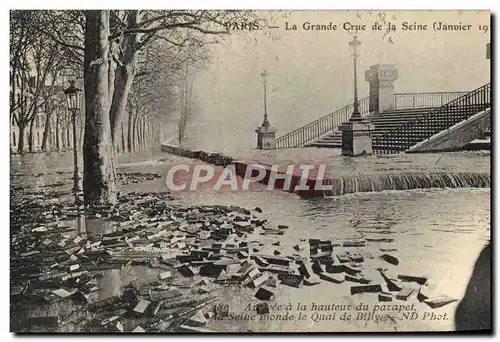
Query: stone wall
[
  {"x": 341, "y": 185},
  {"x": 209, "y": 157},
  {"x": 241, "y": 167}
]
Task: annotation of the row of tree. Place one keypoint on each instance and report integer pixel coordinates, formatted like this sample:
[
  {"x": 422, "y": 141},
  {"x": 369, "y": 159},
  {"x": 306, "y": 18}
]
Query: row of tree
[{"x": 133, "y": 64}]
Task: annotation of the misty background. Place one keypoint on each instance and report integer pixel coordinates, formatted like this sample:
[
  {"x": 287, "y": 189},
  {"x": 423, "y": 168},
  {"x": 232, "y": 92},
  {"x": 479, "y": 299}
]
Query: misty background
[{"x": 311, "y": 72}]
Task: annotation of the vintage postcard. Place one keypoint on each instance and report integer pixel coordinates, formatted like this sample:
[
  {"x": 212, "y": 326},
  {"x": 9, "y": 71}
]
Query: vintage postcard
[{"x": 250, "y": 171}]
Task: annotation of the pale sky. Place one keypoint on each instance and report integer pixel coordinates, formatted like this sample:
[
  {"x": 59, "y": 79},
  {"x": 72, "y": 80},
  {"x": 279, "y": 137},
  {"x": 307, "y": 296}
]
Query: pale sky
[{"x": 311, "y": 72}]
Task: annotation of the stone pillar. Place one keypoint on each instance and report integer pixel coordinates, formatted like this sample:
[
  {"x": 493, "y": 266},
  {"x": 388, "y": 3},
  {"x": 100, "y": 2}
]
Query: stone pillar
[
  {"x": 356, "y": 138},
  {"x": 381, "y": 78},
  {"x": 266, "y": 137}
]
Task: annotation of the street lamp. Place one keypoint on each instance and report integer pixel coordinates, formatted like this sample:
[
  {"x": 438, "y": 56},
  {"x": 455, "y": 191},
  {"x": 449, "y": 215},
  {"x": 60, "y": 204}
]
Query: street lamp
[
  {"x": 264, "y": 75},
  {"x": 73, "y": 98},
  {"x": 355, "y": 45}
]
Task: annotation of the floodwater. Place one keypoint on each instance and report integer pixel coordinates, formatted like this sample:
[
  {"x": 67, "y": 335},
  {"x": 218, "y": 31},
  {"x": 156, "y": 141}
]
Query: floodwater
[{"x": 435, "y": 232}]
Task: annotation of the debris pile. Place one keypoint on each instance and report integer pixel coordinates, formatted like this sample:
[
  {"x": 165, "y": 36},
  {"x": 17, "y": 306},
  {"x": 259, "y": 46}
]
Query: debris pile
[
  {"x": 136, "y": 177},
  {"x": 192, "y": 251}
]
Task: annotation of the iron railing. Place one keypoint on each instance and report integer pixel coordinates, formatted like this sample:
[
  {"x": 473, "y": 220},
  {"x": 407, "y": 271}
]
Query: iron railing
[
  {"x": 324, "y": 125},
  {"x": 435, "y": 121},
  {"x": 425, "y": 100}
]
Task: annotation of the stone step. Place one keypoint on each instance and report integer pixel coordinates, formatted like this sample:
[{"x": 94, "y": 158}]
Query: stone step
[
  {"x": 333, "y": 138},
  {"x": 389, "y": 127},
  {"x": 408, "y": 110},
  {"x": 387, "y": 122},
  {"x": 398, "y": 115},
  {"x": 401, "y": 113},
  {"x": 327, "y": 145},
  {"x": 392, "y": 120},
  {"x": 335, "y": 142},
  {"x": 329, "y": 142},
  {"x": 403, "y": 118}
]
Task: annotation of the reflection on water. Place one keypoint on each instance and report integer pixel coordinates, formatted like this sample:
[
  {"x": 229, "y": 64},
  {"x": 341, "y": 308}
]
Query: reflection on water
[{"x": 92, "y": 226}]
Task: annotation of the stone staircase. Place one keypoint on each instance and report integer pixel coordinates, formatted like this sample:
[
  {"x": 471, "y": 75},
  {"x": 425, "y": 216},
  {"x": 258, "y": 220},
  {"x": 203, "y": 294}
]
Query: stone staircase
[
  {"x": 400, "y": 120},
  {"x": 433, "y": 121},
  {"x": 384, "y": 122}
]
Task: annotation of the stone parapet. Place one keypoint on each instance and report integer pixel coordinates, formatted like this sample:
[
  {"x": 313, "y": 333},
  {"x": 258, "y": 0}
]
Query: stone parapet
[{"x": 381, "y": 78}]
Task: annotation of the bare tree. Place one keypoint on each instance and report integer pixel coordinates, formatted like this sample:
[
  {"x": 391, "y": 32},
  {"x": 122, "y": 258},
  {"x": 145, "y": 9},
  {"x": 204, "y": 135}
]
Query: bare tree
[
  {"x": 54, "y": 100},
  {"x": 98, "y": 155},
  {"x": 112, "y": 47},
  {"x": 33, "y": 58}
]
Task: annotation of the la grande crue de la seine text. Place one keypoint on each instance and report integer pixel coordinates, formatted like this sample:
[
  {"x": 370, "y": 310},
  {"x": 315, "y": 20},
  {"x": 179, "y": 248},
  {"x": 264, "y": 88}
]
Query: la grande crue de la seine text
[{"x": 403, "y": 26}]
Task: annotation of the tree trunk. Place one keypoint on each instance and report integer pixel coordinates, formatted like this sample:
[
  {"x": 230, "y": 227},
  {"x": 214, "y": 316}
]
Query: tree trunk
[
  {"x": 68, "y": 137},
  {"x": 124, "y": 76},
  {"x": 139, "y": 132},
  {"x": 113, "y": 47},
  {"x": 150, "y": 134},
  {"x": 20, "y": 142},
  {"x": 80, "y": 124},
  {"x": 46, "y": 132},
  {"x": 98, "y": 156},
  {"x": 31, "y": 140},
  {"x": 129, "y": 132},
  {"x": 57, "y": 134},
  {"x": 123, "y": 138},
  {"x": 134, "y": 133},
  {"x": 64, "y": 138},
  {"x": 144, "y": 140}
]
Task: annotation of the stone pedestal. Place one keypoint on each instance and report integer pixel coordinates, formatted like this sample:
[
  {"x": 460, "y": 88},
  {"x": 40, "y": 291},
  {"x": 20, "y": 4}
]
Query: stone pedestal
[
  {"x": 356, "y": 138},
  {"x": 381, "y": 78},
  {"x": 266, "y": 138}
]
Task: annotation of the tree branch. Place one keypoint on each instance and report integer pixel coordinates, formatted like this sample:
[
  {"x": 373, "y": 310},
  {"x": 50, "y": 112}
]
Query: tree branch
[{"x": 60, "y": 42}]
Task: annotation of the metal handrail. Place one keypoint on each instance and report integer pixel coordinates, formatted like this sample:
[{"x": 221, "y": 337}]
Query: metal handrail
[
  {"x": 326, "y": 124},
  {"x": 425, "y": 100},
  {"x": 434, "y": 121}
]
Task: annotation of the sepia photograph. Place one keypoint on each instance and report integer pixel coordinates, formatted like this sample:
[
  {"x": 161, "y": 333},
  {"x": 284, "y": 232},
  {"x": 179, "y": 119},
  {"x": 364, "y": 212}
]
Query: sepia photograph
[{"x": 250, "y": 171}]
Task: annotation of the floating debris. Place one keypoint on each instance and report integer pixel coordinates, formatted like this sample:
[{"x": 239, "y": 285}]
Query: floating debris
[
  {"x": 264, "y": 294},
  {"x": 405, "y": 293},
  {"x": 191, "y": 252},
  {"x": 422, "y": 280},
  {"x": 385, "y": 297},
  {"x": 390, "y": 259},
  {"x": 437, "y": 302}
]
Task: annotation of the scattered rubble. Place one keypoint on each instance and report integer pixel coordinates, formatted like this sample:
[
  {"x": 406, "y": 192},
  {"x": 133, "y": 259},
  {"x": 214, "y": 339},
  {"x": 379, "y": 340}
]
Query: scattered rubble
[{"x": 193, "y": 250}]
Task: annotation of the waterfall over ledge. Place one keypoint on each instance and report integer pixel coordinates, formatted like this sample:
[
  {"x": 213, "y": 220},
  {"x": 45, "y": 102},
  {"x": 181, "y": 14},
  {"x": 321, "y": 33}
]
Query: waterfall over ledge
[
  {"x": 347, "y": 184},
  {"x": 398, "y": 181}
]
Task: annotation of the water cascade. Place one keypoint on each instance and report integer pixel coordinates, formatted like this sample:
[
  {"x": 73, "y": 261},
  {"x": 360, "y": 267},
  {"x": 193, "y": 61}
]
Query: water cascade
[
  {"x": 399, "y": 181},
  {"x": 342, "y": 185}
]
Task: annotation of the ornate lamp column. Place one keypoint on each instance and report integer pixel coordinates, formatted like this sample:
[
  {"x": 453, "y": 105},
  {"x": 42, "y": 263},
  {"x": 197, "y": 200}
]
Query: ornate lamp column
[
  {"x": 266, "y": 135},
  {"x": 264, "y": 75},
  {"x": 73, "y": 100},
  {"x": 355, "y": 45},
  {"x": 356, "y": 133}
]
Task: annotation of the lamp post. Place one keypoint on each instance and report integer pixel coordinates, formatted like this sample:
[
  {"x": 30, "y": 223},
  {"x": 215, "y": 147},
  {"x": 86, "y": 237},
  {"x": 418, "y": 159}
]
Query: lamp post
[
  {"x": 264, "y": 75},
  {"x": 266, "y": 135},
  {"x": 73, "y": 98},
  {"x": 355, "y": 45}
]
